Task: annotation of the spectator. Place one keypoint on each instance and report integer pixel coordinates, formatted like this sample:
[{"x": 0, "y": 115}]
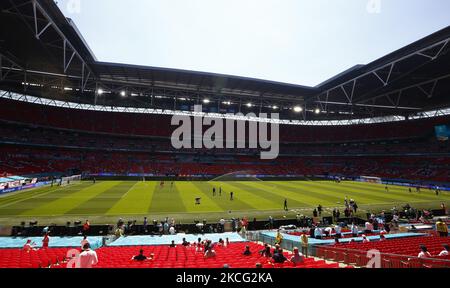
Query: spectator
[
  {"x": 46, "y": 240},
  {"x": 84, "y": 241},
  {"x": 172, "y": 245},
  {"x": 365, "y": 239},
  {"x": 338, "y": 231},
  {"x": 261, "y": 252},
  {"x": 227, "y": 242},
  {"x": 172, "y": 230},
  {"x": 258, "y": 265},
  {"x": 185, "y": 243},
  {"x": 441, "y": 228},
  {"x": 315, "y": 212},
  {"x": 29, "y": 246},
  {"x": 319, "y": 209},
  {"x": 304, "y": 241},
  {"x": 278, "y": 256},
  {"x": 88, "y": 257},
  {"x": 267, "y": 252},
  {"x": 140, "y": 256},
  {"x": 297, "y": 258},
  {"x": 210, "y": 253},
  {"x": 247, "y": 251},
  {"x": 445, "y": 251},
  {"x": 145, "y": 224},
  {"x": 222, "y": 225},
  {"x": 86, "y": 227},
  {"x": 382, "y": 238},
  {"x": 318, "y": 233},
  {"x": 424, "y": 252},
  {"x": 368, "y": 227}
]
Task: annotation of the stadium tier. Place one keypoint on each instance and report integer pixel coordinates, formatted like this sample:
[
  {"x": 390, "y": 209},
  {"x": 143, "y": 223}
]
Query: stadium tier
[{"x": 47, "y": 143}]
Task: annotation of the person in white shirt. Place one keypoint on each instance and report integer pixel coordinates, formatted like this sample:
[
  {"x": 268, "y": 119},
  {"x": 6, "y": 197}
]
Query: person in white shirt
[
  {"x": 88, "y": 257},
  {"x": 424, "y": 252},
  {"x": 297, "y": 257},
  {"x": 368, "y": 227},
  {"x": 172, "y": 230},
  {"x": 338, "y": 231},
  {"x": 318, "y": 233},
  {"x": 445, "y": 251},
  {"x": 354, "y": 229},
  {"x": 84, "y": 241}
]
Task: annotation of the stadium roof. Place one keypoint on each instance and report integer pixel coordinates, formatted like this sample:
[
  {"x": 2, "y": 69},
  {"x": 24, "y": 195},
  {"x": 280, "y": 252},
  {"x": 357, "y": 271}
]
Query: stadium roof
[{"x": 43, "y": 54}]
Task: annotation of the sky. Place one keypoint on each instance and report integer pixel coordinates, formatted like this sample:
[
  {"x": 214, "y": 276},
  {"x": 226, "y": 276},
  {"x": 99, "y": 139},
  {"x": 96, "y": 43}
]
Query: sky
[{"x": 301, "y": 42}]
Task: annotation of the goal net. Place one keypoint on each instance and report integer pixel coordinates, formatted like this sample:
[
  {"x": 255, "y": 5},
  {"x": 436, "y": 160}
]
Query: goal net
[
  {"x": 70, "y": 180},
  {"x": 244, "y": 175},
  {"x": 370, "y": 179}
]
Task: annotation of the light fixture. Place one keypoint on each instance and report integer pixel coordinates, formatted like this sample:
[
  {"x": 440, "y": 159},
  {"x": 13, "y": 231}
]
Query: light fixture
[
  {"x": 123, "y": 93},
  {"x": 226, "y": 103},
  {"x": 100, "y": 91},
  {"x": 274, "y": 107},
  {"x": 206, "y": 101},
  {"x": 317, "y": 111},
  {"x": 249, "y": 105},
  {"x": 298, "y": 109}
]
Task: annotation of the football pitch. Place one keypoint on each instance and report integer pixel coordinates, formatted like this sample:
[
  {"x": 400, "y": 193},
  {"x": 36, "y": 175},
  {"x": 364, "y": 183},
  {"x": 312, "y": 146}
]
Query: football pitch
[{"x": 106, "y": 201}]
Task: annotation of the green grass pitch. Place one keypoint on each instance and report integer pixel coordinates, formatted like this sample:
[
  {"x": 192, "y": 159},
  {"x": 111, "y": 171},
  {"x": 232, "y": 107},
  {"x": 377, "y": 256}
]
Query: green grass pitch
[{"x": 105, "y": 201}]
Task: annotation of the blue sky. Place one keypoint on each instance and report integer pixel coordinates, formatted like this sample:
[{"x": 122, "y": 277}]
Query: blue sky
[{"x": 294, "y": 41}]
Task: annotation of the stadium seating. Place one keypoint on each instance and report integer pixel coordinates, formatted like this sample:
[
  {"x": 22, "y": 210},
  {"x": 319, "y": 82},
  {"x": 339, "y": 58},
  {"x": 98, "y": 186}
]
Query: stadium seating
[
  {"x": 18, "y": 258},
  {"x": 395, "y": 253},
  {"x": 165, "y": 257},
  {"x": 187, "y": 257},
  {"x": 402, "y": 246}
]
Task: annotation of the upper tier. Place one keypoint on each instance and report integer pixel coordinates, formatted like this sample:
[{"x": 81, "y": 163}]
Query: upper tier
[{"x": 159, "y": 125}]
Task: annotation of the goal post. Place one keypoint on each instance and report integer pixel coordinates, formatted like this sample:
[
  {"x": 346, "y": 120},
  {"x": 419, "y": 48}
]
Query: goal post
[
  {"x": 70, "y": 180},
  {"x": 370, "y": 179}
]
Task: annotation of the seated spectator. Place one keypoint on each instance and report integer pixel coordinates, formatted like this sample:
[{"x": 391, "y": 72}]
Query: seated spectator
[
  {"x": 279, "y": 257},
  {"x": 424, "y": 252},
  {"x": 365, "y": 239},
  {"x": 298, "y": 257},
  {"x": 185, "y": 243},
  {"x": 445, "y": 251},
  {"x": 258, "y": 265},
  {"x": 221, "y": 242},
  {"x": 140, "y": 256},
  {"x": 382, "y": 238},
  {"x": 261, "y": 252},
  {"x": 29, "y": 246},
  {"x": 210, "y": 253},
  {"x": 247, "y": 251},
  {"x": 172, "y": 230},
  {"x": 151, "y": 257},
  {"x": 172, "y": 245},
  {"x": 336, "y": 240},
  {"x": 267, "y": 252}
]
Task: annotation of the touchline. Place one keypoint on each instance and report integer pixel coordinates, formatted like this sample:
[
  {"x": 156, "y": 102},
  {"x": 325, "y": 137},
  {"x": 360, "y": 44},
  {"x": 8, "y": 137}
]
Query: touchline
[{"x": 236, "y": 136}]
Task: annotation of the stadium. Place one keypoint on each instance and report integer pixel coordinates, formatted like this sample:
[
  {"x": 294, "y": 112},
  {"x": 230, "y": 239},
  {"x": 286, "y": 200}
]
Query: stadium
[{"x": 87, "y": 150}]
